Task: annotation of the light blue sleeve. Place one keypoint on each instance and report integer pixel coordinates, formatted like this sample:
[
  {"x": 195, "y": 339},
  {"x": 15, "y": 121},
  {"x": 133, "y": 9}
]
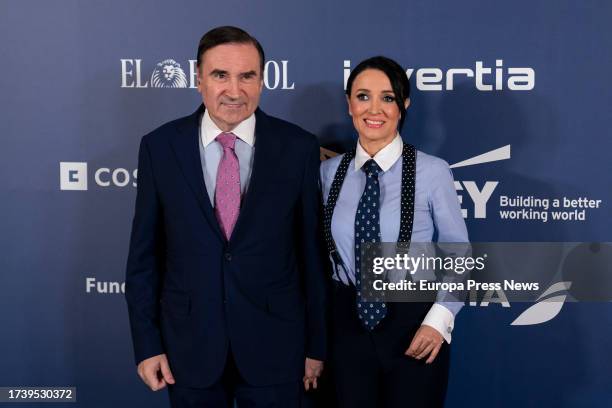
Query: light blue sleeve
[{"x": 447, "y": 217}]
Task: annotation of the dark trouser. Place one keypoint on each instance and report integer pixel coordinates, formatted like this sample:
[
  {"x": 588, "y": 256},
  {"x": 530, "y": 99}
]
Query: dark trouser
[
  {"x": 370, "y": 368},
  {"x": 232, "y": 387}
]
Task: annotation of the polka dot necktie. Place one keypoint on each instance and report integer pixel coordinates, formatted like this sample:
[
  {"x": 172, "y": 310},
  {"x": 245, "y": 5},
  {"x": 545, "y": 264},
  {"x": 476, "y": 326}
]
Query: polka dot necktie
[
  {"x": 367, "y": 231},
  {"x": 227, "y": 188}
]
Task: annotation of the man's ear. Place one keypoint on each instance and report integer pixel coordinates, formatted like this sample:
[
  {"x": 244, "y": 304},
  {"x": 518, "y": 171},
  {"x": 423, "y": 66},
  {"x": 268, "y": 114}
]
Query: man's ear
[
  {"x": 198, "y": 77},
  {"x": 407, "y": 103}
]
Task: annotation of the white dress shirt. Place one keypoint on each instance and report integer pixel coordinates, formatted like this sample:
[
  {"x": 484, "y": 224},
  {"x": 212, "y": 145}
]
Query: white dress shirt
[
  {"x": 211, "y": 151},
  {"x": 436, "y": 209}
]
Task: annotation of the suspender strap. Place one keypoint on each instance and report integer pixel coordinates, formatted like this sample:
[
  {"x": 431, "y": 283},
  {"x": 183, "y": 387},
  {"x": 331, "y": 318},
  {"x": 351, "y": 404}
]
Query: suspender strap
[
  {"x": 328, "y": 212},
  {"x": 406, "y": 211}
]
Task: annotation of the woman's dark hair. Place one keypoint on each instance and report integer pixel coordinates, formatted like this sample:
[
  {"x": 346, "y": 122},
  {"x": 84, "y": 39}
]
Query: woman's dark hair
[
  {"x": 396, "y": 74},
  {"x": 229, "y": 35}
]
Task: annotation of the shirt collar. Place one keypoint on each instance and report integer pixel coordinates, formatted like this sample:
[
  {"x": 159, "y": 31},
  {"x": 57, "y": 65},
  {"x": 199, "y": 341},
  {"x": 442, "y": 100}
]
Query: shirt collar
[
  {"x": 385, "y": 158},
  {"x": 245, "y": 130}
]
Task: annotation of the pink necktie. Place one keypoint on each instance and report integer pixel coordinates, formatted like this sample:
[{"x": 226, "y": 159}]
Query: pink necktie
[{"x": 227, "y": 189}]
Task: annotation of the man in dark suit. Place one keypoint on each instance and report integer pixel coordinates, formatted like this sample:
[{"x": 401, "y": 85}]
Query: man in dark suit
[{"x": 225, "y": 280}]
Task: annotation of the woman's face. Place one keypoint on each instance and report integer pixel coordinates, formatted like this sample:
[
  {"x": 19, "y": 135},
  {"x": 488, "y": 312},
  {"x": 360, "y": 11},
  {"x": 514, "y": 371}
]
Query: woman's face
[{"x": 373, "y": 107}]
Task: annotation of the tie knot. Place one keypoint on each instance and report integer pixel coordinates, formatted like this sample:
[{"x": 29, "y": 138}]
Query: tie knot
[
  {"x": 227, "y": 140},
  {"x": 371, "y": 168}
]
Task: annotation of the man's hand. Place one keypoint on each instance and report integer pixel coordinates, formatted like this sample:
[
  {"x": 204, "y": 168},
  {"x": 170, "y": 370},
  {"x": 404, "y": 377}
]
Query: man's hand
[
  {"x": 155, "y": 372},
  {"x": 426, "y": 341},
  {"x": 312, "y": 371}
]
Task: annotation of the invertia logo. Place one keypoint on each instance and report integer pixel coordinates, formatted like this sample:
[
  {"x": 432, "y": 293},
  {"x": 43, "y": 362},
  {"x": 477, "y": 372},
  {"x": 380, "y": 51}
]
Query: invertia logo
[
  {"x": 171, "y": 74},
  {"x": 436, "y": 79}
]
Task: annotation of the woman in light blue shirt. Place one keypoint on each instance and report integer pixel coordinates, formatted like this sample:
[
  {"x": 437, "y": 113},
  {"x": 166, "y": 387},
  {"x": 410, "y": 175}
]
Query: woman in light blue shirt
[{"x": 395, "y": 354}]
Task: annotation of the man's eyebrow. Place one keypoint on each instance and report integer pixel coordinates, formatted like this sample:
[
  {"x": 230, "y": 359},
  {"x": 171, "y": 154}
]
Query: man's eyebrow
[
  {"x": 249, "y": 73},
  {"x": 218, "y": 72}
]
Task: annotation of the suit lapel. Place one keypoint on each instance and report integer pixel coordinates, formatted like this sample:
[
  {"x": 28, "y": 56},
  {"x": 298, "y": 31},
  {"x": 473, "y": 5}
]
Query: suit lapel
[
  {"x": 266, "y": 154},
  {"x": 187, "y": 151}
]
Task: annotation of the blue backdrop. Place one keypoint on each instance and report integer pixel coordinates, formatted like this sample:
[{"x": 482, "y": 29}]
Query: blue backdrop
[{"x": 523, "y": 87}]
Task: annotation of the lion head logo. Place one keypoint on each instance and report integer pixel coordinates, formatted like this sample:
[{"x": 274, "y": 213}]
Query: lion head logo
[{"x": 168, "y": 74}]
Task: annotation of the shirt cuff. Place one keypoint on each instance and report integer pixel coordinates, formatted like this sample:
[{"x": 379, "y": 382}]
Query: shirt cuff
[{"x": 441, "y": 319}]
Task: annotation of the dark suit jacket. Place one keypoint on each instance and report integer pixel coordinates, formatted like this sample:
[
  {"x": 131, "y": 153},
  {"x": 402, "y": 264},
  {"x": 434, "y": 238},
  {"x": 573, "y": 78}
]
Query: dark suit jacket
[{"x": 192, "y": 295}]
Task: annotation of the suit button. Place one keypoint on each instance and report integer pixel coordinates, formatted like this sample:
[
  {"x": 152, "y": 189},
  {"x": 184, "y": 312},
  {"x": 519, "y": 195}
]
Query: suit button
[{"x": 228, "y": 256}]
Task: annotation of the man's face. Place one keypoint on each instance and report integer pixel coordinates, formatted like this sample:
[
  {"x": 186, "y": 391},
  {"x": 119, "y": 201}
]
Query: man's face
[{"x": 230, "y": 81}]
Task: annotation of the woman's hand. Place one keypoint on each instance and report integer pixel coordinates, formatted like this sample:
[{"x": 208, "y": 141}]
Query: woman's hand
[{"x": 426, "y": 342}]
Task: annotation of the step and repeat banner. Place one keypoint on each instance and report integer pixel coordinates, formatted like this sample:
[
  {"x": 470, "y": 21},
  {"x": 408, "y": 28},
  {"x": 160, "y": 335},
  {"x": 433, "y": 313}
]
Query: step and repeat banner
[{"x": 516, "y": 96}]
